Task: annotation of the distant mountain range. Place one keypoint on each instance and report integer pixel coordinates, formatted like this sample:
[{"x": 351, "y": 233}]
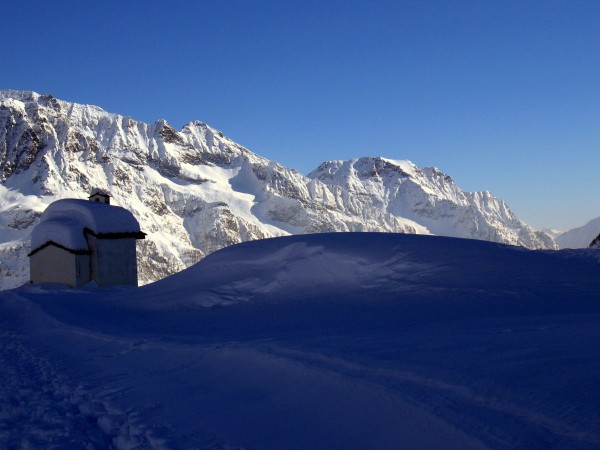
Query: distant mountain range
[
  {"x": 195, "y": 191},
  {"x": 579, "y": 237}
]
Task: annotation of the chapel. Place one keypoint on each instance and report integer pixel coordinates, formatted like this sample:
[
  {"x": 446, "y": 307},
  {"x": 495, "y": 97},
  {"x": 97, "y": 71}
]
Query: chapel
[{"x": 78, "y": 241}]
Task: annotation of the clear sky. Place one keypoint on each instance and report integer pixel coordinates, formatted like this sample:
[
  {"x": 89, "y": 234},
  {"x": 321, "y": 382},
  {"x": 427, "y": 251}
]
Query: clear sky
[{"x": 502, "y": 95}]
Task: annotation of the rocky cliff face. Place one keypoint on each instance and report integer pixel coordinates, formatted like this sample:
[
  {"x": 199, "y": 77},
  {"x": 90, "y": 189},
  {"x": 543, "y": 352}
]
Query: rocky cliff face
[
  {"x": 195, "y": 191},
  {"x": 430, "y": 198}
]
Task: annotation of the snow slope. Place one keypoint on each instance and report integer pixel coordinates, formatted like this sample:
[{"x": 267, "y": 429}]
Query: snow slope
[
  {"x": 195, "y": 191},
  {"x": 580, "y": 237},
  {"x": 345, "y": 340}
]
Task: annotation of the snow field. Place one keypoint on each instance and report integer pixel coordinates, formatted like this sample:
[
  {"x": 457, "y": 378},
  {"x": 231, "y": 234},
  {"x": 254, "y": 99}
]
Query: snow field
[
  {"x": 41, "y": 409},
  {"x": 343, "y": 340}
]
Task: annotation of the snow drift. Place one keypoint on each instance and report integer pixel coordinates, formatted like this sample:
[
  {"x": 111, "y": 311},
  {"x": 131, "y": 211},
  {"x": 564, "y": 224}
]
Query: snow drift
[{"x": 345, "y": 340}]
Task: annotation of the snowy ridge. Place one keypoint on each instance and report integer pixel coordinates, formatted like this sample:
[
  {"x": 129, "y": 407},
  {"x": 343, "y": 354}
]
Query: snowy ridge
[
  {"x": 430, "y": 198},
  {"x": 579, "y": 237},
  {"x": 196, "y": 191}
]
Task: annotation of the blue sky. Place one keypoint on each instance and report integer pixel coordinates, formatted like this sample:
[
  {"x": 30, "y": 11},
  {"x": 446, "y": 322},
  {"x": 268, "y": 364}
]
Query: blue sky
[{"x": 502, "y": 95}]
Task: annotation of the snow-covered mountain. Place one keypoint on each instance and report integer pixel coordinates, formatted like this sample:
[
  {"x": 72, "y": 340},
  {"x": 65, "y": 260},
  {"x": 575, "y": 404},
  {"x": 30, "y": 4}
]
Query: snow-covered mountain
[
  {"x": 430, "y": 198},
  {"x": 552, "y": 232},
  {"x": 579, "y": 237},
  {"x": 195, "y": 191},
  {"x": 596, "y": 242}
]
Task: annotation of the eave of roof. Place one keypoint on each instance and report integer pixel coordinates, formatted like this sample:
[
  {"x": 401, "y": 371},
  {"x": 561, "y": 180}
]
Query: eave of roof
[
  {"x": 62, "y": 247},
  {"x": 132, "y": 234}
]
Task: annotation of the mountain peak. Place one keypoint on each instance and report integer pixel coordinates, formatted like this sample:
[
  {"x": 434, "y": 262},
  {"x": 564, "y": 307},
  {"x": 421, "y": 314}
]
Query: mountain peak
[{"x": 24, "y": 96}]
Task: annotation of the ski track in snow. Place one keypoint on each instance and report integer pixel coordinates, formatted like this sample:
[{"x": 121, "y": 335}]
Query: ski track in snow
[
  {"x": 410, "y": 385},
  {"x": 41, "y": 409}
]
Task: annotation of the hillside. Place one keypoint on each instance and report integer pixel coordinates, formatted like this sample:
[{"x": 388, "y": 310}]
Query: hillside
[
  {"x": 579, "y": 237},
  {"x": 344, "y": 340}
]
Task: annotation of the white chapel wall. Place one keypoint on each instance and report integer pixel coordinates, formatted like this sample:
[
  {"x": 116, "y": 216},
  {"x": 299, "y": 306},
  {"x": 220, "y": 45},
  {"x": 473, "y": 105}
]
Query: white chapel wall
[{"x": 53, "y": 265}]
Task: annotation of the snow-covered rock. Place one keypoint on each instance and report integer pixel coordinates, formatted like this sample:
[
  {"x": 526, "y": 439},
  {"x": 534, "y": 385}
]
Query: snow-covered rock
[
  {"x": 430, "y": 198},
  {"x": 596, "y": 242},
  {"x": 579, "y": 237},
  {"x": 195, "y": 191}
]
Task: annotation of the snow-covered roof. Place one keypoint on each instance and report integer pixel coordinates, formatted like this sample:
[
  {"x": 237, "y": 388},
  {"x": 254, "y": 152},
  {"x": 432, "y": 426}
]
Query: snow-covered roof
[
  {"x": 101, "y": 192},
  {"x": 64, "y": 221}
]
